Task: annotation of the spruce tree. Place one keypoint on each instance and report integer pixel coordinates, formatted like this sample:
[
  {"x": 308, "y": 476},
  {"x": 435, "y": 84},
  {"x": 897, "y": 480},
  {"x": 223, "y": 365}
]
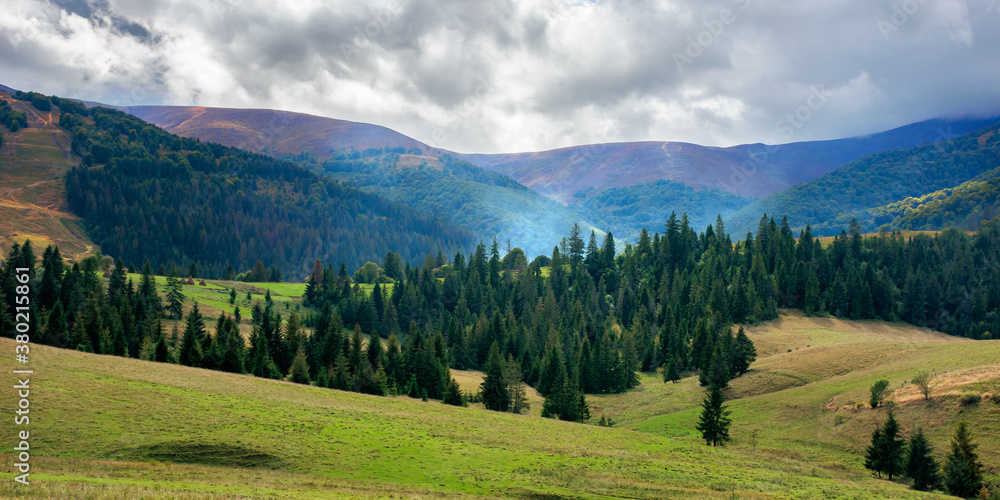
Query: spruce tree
[
  {"x": 920, "y": 465},
  {"x": 894, "y": 447},
  {"x": 746, "y": 353},
  {"x": 884, "y": 454},
  {"x": 299, "y": 372},
  {"x": 670, "y": 372},
  {"x": 962, "y": 471},
  {"x": 494, "y": 387},
  {"x": 714, "y": 421},
  {"x": 175, "y": 299},
  {"x": 194, "y": 331},
  {"x": 453, "y": 394}
]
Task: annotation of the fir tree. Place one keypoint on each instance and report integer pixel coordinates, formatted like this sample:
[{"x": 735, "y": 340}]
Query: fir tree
[
  {"x": 453, "y": 394},
  {"x": 962, "y": 471},
  {"x": 884, "y": 454},
  {"x": 920, "y": 465},
  {"x": 670, "y": 373},
  {"x": 714, "y": 421},
  {"x": 494, "y": 386},
  {"x": 299, "y": 372}
]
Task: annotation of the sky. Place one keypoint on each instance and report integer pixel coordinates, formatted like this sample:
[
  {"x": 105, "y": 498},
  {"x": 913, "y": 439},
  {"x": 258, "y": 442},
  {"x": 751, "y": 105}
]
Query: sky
[{"x": 505, "y": 76}]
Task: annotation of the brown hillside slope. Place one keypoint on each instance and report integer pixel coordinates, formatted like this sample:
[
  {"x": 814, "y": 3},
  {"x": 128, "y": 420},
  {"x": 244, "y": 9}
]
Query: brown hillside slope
[{"x": 33, "y": 165}]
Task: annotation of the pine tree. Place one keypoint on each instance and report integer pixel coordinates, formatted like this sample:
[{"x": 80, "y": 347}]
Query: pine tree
[
  {"x": 494, "y": 387},
  {"x": 920, "y": 465},
  {"x": 175, "y": 299},
  {"x": 894, "y": 447},
  {"x": 194, "y": 331},
  {"x": 299, "y": 372},
  {"x": 884, "y": 454},
  {"x": 453, "y": 394},
  {"x": 714, "y": 421},
  {"x": 670, "y": 373},
  {"x": 962, "y": 471}
]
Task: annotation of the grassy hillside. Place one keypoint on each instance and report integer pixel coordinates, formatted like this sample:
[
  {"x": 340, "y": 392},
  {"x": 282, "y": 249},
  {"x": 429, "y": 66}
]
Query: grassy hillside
[
  {"x": 806, "y": 396},
  {"x": 33, "y": 164},
  {"x": 851, "y": 191},
  {"x": 120, "y": 428}
]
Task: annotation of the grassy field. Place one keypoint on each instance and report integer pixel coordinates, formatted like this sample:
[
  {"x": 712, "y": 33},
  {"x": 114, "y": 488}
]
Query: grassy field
[
  {"x": 807, "y": 394},
  {"x": 828, "y": 240},
  {"x": 105, "y": 427}
]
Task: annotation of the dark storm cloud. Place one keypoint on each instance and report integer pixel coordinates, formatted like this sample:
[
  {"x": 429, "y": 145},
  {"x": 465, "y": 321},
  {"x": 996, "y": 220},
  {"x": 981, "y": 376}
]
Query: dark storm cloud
[{"x": 534, "y": 74}]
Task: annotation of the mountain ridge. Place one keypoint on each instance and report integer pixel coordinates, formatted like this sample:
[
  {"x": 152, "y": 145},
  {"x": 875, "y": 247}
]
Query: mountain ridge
[
  {"x": 750, "y": 170},
  {"x": 862, "y": 188}
]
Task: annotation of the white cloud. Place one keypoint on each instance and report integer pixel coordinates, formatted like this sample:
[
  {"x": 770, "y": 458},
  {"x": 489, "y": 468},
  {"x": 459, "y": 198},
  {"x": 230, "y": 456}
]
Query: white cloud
[{"x": 528, "y": 75}]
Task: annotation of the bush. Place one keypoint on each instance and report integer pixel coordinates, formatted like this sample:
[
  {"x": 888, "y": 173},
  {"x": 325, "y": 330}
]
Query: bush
[
  {"x": 878, "y": 392},
  {"x": 923, "y": 382},
  {"x": 968, "y": 399}
]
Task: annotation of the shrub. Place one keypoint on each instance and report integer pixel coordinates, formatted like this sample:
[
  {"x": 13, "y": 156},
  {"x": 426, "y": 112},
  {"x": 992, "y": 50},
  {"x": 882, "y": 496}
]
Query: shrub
[
  {"x": 923, "y": 382},
  {"x": 878, "y": 392},
  {"x": 968, "y": 399}
]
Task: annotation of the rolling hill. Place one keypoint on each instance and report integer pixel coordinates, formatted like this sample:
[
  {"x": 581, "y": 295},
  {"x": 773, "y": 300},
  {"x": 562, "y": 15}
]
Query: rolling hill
[
  {"x": 107, "y": 426},
  {"x": 627, "y": 210},
  {"x": 275, "y": 132},
  {"x": 383, "y": 162},
  {"x": 963, "y": 206},
  {"x": 857, "y": 189}
]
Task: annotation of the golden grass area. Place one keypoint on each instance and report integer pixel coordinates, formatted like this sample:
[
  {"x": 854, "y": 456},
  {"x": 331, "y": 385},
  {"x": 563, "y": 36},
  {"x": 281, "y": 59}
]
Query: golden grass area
[
  {"x": 470, "y": 380},
  {"x": 827, "y": 240},
  {"x": 807, "y": 394}
]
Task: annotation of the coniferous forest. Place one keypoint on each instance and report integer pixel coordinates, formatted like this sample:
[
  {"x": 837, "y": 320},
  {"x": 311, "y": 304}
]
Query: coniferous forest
[
  {"x": 584, "y": 320},
  {"x": 147, "y": 194}
]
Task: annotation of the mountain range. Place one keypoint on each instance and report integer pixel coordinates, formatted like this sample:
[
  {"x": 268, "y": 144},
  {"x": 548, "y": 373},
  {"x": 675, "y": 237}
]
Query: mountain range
[
  {"x": 530, "y": 199},
  {"x": 621, "y": 187},
  {"x": 749, "y": 170}
]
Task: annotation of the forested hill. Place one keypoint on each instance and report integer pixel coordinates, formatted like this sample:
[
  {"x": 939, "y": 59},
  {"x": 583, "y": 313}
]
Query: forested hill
[
  {"x": 487, "y": 203},
  {"x": 147, "y": 194},
  {"x": 962, "y": 207},
  {"x": 853, "y": 190}
]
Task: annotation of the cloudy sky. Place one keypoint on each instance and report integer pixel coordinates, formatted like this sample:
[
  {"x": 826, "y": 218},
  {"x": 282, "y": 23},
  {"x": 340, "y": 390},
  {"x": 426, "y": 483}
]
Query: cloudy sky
[{"x": 502, "y": 76}]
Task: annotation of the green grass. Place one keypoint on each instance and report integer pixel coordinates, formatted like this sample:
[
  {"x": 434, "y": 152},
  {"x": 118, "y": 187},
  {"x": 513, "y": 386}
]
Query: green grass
[
  {"x": 213, "y": 298},
  {"x": 805, "y": 402},
  {"x": 109, "y": 427}
]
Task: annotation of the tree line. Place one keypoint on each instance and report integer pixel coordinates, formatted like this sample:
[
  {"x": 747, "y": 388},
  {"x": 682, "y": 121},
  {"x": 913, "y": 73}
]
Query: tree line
[{"x": 584, "y": 320}]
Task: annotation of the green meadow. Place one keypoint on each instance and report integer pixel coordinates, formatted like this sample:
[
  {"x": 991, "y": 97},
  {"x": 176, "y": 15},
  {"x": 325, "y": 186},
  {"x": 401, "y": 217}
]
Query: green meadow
[{"x": 108, "y": 427}]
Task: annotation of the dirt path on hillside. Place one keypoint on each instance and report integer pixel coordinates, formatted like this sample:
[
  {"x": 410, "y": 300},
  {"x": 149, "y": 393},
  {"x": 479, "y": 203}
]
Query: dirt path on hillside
[{"x": 10, "y": 192}]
